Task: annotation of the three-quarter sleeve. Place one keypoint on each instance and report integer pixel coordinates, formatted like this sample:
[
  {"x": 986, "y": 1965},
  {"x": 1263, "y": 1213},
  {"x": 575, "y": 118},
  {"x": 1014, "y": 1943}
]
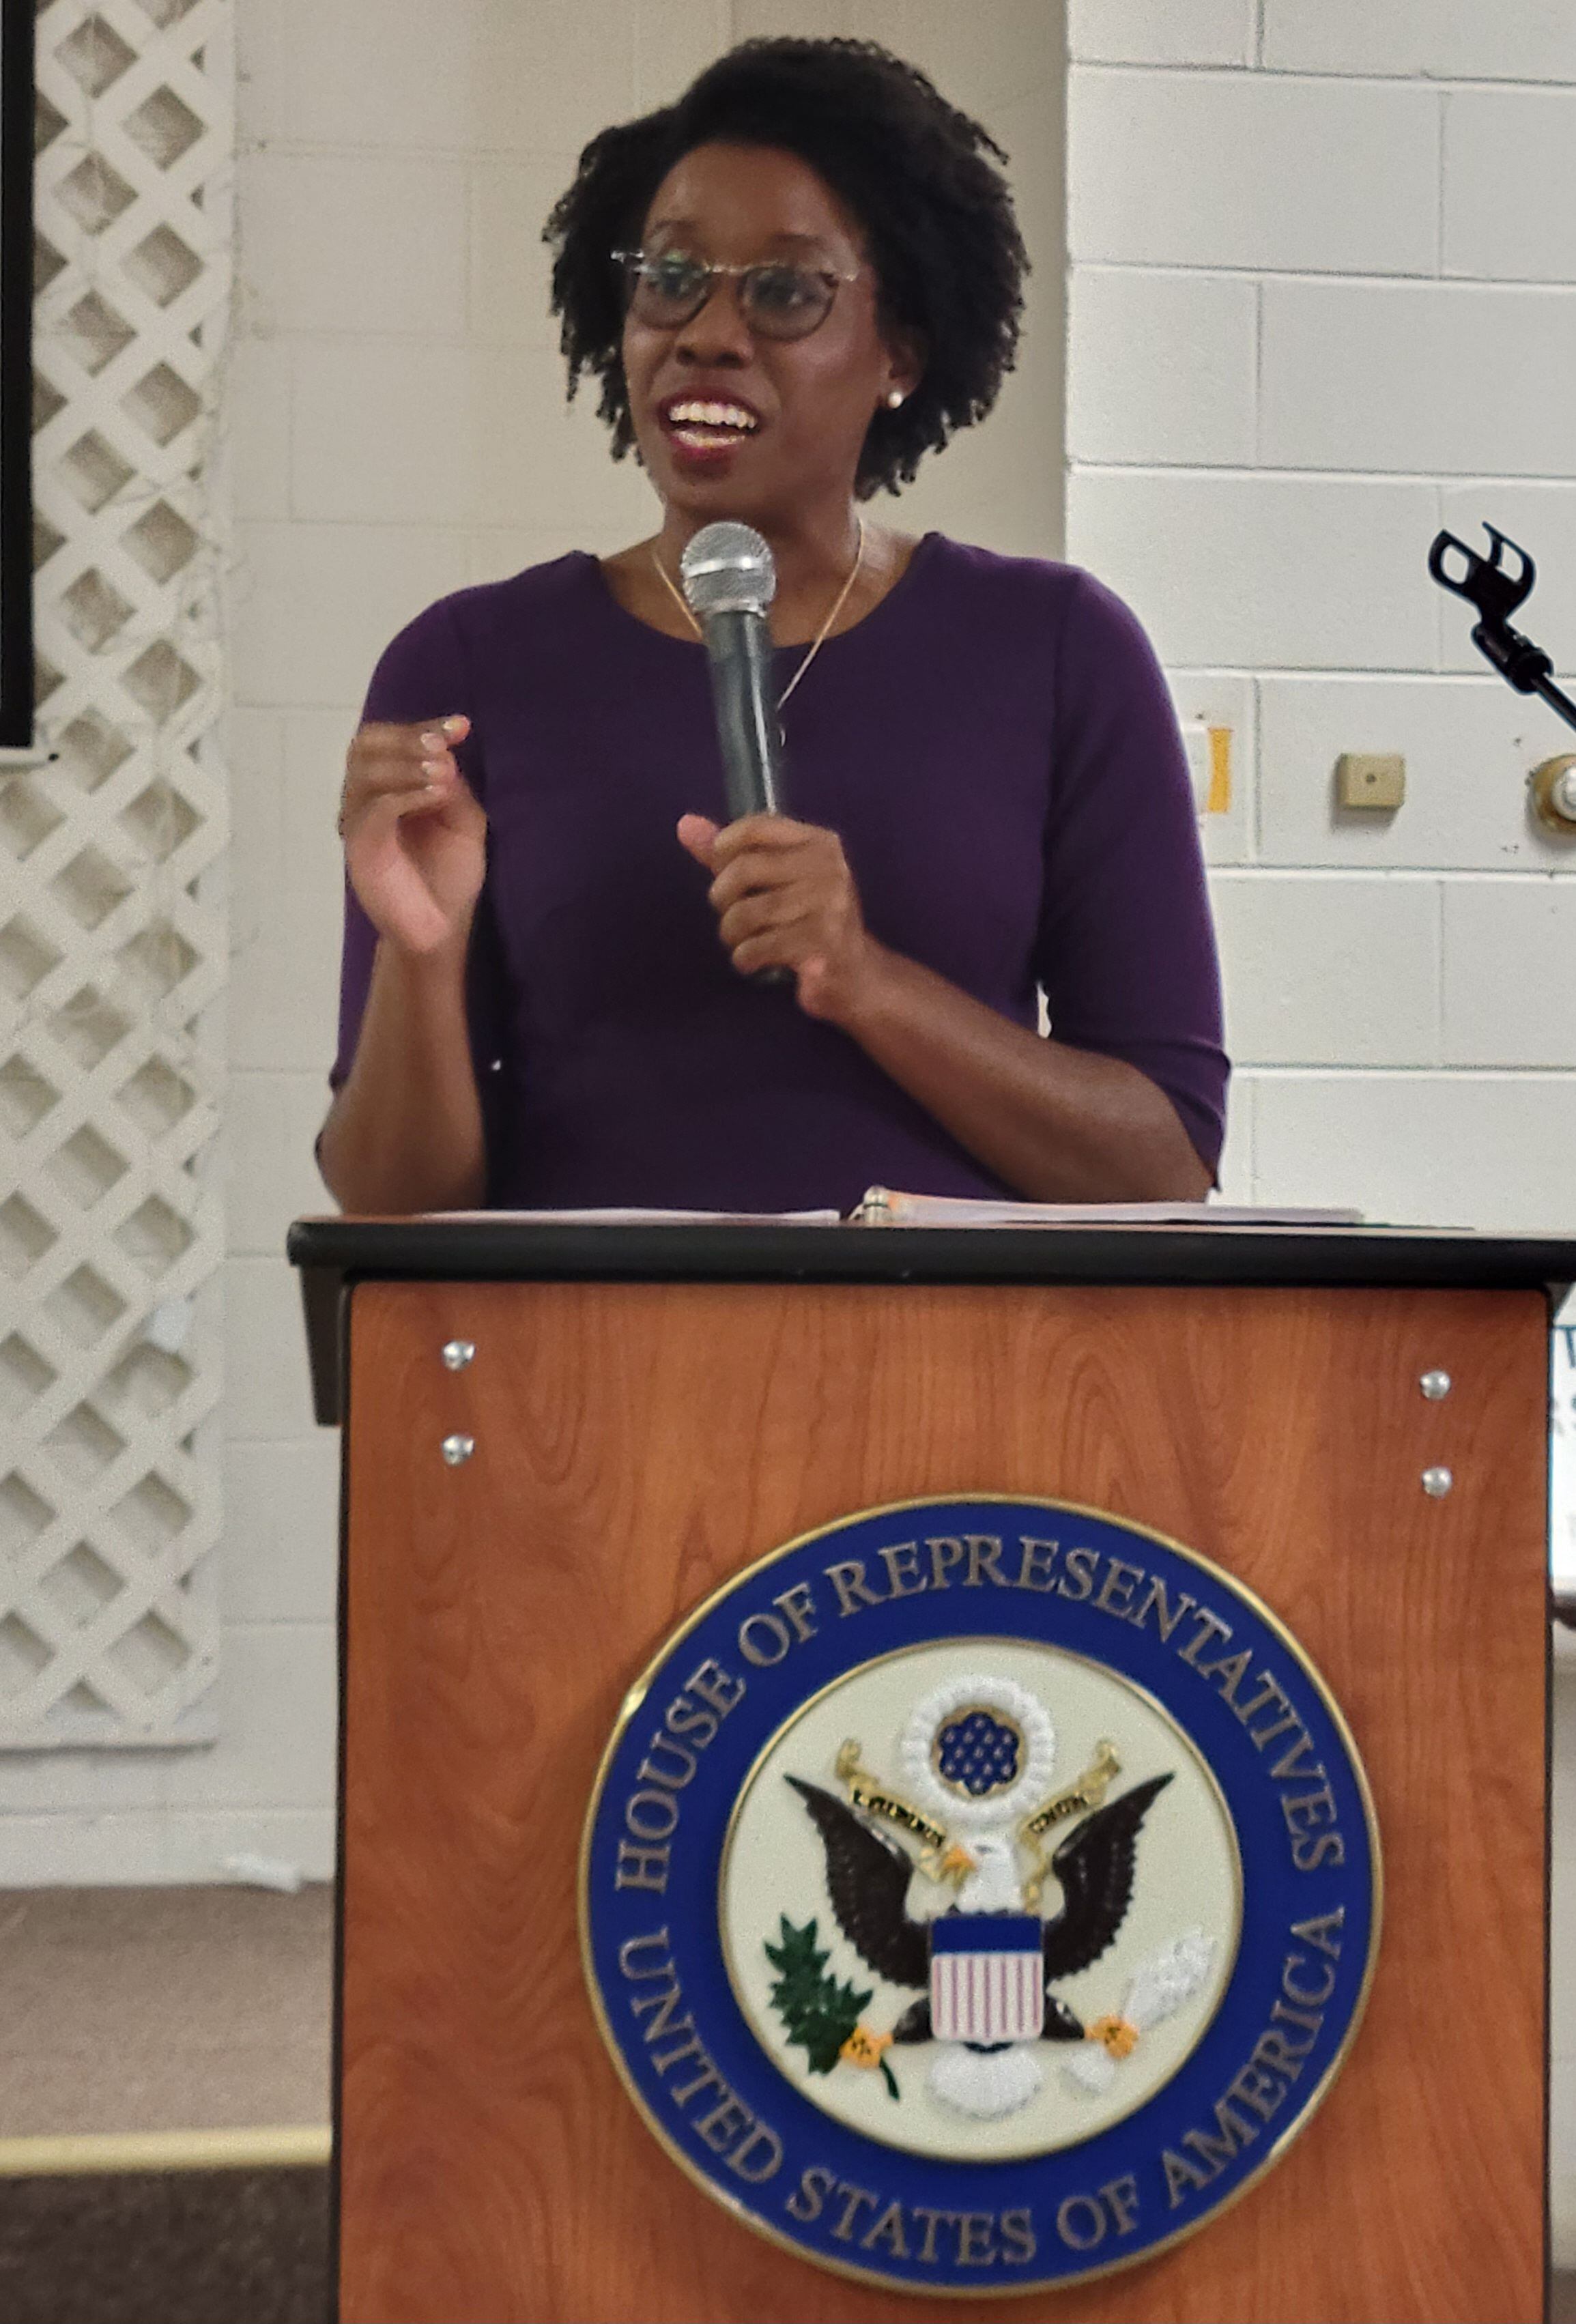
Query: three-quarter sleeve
[
  {"x": 419, "y": 677},
  {"x": 423, "y": 677},
  {"x": 1126, "y": 956}
]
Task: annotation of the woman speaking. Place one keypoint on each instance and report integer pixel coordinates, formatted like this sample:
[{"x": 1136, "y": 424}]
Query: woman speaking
[{"x": 789, "y": 287}]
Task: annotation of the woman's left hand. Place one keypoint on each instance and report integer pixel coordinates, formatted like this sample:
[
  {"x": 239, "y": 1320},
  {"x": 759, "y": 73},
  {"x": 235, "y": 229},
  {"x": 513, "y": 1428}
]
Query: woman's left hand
[{"x": 785, "y": 898}]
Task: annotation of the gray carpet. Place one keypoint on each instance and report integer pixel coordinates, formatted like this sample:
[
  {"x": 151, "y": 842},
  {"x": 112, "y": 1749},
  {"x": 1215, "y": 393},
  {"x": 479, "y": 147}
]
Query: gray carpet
[
  {"x": 145, "y": 2009},
  {"x": 166, "y": 2247}
]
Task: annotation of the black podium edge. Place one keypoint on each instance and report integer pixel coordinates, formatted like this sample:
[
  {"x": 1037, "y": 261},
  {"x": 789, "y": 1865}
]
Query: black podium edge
[{"x": 334, "y": 1254}]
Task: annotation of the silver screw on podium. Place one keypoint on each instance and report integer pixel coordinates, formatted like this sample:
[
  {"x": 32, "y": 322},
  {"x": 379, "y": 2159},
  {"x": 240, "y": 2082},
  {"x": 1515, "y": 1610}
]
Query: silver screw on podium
[
  {"x": 1437, "y": 1482},
  {"x": 459, "y": 1353},
  {"x": 456, "y": 1449},
  {"x": 1435, "y": 1385}
]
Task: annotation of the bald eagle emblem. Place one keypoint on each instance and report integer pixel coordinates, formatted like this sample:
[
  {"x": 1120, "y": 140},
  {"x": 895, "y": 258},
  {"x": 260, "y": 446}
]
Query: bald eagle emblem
[{"x": 975, "y": 1816}]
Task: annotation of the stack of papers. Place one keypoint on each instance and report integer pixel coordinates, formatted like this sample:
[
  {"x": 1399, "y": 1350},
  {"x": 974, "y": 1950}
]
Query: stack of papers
[{"x": 883, "y": 1208}]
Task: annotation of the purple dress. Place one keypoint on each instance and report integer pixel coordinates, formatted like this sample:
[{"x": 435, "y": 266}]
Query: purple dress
[{"x": 996, "y": 746}]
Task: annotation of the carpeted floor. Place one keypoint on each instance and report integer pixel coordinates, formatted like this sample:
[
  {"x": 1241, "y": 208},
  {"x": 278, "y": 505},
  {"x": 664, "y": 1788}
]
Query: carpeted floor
[
  {"x": 138, "y": 2010},
  {"x": 166, "y": 2247},
  {"x": 142, "y": 2009}
]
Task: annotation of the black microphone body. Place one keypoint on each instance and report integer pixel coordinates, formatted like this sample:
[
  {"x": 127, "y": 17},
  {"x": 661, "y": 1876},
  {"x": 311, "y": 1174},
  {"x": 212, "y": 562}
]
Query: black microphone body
[{"x": 739, "y": 646}]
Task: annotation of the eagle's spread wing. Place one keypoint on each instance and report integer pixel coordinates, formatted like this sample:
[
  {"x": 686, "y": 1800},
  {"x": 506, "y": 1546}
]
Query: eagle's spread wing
[
  {"x": 1094, "y": 1865},
  {"x": 867, "y": 1878}
]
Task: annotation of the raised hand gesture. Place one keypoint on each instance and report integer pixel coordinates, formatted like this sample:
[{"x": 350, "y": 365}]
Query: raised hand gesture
[{"x": 415, "y": 837}]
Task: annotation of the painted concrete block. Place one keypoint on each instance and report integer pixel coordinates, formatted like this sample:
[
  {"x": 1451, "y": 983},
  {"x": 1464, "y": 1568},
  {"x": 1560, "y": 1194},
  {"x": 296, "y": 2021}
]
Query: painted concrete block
[
  {"x": 271, "y": 1119},
  {"x": 76, "y": 1783},
  {"x": 256, "y": 446},
  {"x": 1433, "y": 378},
  {"x": 1510, "y": 972},
  {"x": 465, "y": 435},
  {"x": 510, "y": 266},
  {"x": 540, "y": 462},
  {"x": 551, "y": 74},
  {"x": 1562, "y": 1960},
  {"x": 197, "y": 1845},
  {"x": 287, "y": 909},
  {"x": 496, "y": 551},
  {"x": 313, "y": 606},
  {"x": 1323, "y": 970},
  {"x": 351, "y": 243},
  {"x": 416, "y": 464},
  {"x": 1562, "y": 1766},
  {"x": 1161, "y": 368},
  {"x": 1256, "y": 571},
  {"x": 1469, "y": 744},
  {"x": 279, "y": 1716},
  {"x": 674, "y": 40},
  {"x": 467, "y": 75},
  {"x": 1161, "y": 31},
  {"x": 266, "y": 1389},
  {"x": 279, "y": 1558},
  {"x": 1236, "y": 1170},
  {"x": 1428, "y": 1148},
  {"x": 999, "y": 484},
  {"x": 991, "y": 61},
  {"x": 1248, "y": 170},
  {"x": 403, "y": 73},
  {"x": 1509, "y": 183},
  {"x": 1535, "y": 40},
  {"x": 73, "y": 1848}
]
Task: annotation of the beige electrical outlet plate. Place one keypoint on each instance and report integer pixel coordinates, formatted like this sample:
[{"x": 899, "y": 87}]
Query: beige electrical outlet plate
[{"x": 1368, "y": 778}]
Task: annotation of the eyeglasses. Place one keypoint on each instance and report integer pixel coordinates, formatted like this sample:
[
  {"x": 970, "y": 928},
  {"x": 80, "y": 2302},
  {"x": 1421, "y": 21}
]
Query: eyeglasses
[{"x": 776, "y": 298}]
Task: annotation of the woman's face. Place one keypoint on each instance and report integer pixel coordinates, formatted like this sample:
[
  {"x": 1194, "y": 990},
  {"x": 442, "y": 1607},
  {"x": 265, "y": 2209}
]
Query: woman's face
[{"x": 793, "y": 412}]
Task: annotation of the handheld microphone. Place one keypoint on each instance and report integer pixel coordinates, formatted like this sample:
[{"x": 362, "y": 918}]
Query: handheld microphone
[{"x": 729, "y": 581}]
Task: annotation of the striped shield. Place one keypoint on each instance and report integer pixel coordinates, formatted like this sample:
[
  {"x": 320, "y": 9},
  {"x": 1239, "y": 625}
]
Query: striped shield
[{"x": 987, "y": 1978}]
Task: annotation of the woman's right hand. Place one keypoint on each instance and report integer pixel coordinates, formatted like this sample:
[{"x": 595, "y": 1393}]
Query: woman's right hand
[{"x": 415, "y": 837}]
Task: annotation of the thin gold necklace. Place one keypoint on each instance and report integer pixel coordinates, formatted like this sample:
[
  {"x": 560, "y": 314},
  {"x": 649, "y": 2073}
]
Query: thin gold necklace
[{"x": 821, "y": 635}]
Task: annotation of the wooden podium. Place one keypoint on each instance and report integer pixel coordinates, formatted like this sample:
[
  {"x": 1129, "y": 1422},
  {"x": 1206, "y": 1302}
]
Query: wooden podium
[{"x": 651, "y": 1408}]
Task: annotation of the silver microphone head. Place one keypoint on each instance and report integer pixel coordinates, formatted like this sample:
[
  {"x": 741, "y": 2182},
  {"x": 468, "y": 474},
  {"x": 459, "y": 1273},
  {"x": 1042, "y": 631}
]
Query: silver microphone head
[{"x": 727, "y": 568}]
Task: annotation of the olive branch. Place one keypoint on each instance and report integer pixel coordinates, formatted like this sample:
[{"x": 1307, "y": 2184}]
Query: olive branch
[{"x": 820, "y": 2015}]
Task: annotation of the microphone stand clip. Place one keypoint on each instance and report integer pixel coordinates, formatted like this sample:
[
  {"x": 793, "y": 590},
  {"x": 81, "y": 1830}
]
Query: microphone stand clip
[{"x": 1486, "y": 583}]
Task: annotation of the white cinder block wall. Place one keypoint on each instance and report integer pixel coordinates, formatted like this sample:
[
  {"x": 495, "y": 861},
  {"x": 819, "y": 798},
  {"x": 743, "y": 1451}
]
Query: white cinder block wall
[
  {"x": 1322, "y": 301},
  {"x": 396, "y": 427}
]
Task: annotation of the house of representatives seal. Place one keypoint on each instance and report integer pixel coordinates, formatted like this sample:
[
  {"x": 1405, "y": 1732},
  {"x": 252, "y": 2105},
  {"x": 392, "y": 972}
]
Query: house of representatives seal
[{"x": 978, "y": 1894}]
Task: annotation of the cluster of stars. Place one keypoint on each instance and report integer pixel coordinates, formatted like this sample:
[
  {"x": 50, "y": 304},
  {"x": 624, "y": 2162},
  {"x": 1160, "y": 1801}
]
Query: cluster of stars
[{"x": 978, "y": 1753}]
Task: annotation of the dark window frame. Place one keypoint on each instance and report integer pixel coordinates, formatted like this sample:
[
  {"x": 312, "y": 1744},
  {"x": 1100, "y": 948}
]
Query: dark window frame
[{"x": 16, "y": 137}]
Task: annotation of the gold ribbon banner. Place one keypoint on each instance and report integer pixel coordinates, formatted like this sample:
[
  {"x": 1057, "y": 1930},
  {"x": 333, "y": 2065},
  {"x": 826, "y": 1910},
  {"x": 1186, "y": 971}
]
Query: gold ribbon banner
[
  {"x": 1088, "y": 1792},
  {"x": 864, "y": 1791}
]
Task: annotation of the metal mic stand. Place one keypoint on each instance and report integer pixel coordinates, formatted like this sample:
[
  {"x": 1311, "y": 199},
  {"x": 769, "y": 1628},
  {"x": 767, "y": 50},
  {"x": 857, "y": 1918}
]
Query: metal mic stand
[{"x": 1484, "y": 582}]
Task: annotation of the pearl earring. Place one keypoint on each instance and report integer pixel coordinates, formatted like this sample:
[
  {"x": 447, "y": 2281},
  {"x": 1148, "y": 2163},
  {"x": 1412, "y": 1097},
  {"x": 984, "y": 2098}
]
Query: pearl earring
[{"x": 894, "y": 398}]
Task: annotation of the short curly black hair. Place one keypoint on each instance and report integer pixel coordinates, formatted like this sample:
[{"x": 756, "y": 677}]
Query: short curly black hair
[{"x": 936, "y": 214}]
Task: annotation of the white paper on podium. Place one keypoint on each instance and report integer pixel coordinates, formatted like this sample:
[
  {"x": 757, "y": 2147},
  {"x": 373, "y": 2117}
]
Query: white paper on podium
[{"x": 883, "y": 1207}]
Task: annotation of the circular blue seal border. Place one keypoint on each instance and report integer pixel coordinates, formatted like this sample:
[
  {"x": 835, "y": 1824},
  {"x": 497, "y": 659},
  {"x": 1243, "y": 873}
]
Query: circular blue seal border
[{"x": 798, "y": 1620}]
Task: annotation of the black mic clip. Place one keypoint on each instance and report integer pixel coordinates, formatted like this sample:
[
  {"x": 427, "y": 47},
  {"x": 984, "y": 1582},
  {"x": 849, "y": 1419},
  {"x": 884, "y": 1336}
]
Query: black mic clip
[{"x": 1487, "y": 583}]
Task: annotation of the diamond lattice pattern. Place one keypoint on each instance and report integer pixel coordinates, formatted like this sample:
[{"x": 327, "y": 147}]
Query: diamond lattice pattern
[{"x": 112, "y": 934}]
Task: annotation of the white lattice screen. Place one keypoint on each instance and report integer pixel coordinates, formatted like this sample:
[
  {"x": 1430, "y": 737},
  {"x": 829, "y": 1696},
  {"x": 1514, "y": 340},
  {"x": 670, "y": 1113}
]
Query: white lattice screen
[{"x": 112, "y": 929}]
